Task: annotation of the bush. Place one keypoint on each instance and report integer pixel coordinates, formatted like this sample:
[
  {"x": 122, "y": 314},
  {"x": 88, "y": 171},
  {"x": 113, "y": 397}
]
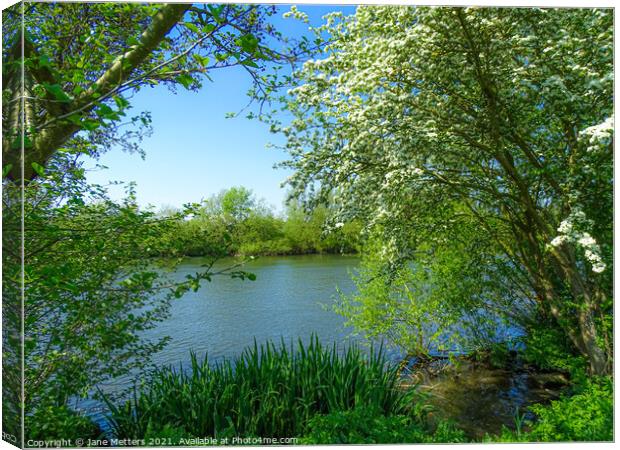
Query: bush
[
  {"x": 369, "y": 426},
  {"x": 498, "y": 354},
  {"x": 586, "y": 415},
  {"x": 59, "y": 422},
  {"x": 267, "y": 392},
  {"x": 266, "y": 248},
  {"x": 548, "y": 348}
]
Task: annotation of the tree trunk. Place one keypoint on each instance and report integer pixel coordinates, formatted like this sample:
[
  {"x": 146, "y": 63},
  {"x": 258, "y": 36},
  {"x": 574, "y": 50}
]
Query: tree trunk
[
  {"x": 594, "y": 352},
  {"x": 54, "y": 131},
  {"x": 588, "y": 333}
]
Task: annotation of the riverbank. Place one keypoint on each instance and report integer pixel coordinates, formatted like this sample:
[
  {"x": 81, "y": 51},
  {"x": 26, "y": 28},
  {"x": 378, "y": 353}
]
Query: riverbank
[
  {"x": 315, "y": 394},
  {"x": 482, "y": 399},
  {"x": 265, "y": 248},
  {"x": 513, "y": 400},
  {"x": 235, "y": 223}
]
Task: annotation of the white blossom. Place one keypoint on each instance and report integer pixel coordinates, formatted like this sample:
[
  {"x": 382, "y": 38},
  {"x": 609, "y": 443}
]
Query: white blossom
[
  {"x": 571, "y": 232},
  {"x": 598, "y": 135},
  {"x": 559, "y": 240}
]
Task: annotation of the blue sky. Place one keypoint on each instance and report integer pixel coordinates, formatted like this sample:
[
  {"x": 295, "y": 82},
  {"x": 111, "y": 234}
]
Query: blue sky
[{"x": 194, "y": 150}]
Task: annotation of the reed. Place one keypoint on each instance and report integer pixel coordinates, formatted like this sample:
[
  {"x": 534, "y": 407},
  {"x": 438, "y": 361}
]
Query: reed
[{"x": 269, "y": 391}]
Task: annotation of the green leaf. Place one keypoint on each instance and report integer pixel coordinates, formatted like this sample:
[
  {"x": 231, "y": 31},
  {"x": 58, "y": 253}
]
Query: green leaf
[
  {"x": 133, "y": 41},
  {"x": 202, "y": 60},
  {"x": 215, "y": 12},
  {"x": 17, "y": 143},
  {"x": 38, "y": 168},
  {"x": 57, "y": 92},
  {"x": 6, "y": 169},
  {"x": 105, "y": 112},
  {"x": 104, "y": 109},
  {"x": 90, "y": 124},
  {"x": 250, "y": 63},
  {"x": 251, "y": 276},
  {"x": 75, "y": 119},
  {"x": 190, "y": 26},
  {"x": 68, "y": 150},
  {"x": 185, "y": 79},
  {"x": 121, "y": 102},
  {"x": 44, "y": 61},
  {"x": 248, "y": 43}
]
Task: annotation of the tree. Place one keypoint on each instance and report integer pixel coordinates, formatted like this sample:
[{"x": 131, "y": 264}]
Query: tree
[
  {"x": 91, "y": 288},
  {"x": 427, "y": 121},
  {"x": 237, "y": 203},
  {"x": 303, "y": 231},
  {"x": 83, "y": 61},
  {"x": 86, "y": 285}
]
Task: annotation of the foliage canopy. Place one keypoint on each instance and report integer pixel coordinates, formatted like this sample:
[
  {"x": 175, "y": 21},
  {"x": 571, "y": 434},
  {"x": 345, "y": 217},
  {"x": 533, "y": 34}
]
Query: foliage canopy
[
  {"x": 83, "y": 61},
  {"x": 483, "y": 129},
  {"x": 88, "y": 287}
]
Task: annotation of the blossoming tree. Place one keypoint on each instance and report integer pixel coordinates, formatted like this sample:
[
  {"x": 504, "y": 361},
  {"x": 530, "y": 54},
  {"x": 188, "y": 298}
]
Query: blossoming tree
[{"x": 477, "y": 143}]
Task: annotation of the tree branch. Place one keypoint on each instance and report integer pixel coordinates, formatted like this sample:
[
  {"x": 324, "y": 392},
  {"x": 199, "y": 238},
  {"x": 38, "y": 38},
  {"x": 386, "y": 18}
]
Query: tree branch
[{"x": 49, "y": 140}]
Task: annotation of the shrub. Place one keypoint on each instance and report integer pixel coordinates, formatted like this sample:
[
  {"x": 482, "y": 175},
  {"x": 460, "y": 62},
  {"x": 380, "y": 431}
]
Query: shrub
[
  {"x": 267, "y": 391},
  {"x": 548, "y": 348},
  {"x": 586, "y": 415},
  {"x": 271, "y": 247},
  {"x": 497, "y": 354},
  {"x": 59, "y": 422},
  {"x": 370, "y": 426}
]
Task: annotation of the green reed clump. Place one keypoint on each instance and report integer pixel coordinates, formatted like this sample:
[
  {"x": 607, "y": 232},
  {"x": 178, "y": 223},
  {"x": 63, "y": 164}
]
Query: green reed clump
[{"x": 268, "y": 391}]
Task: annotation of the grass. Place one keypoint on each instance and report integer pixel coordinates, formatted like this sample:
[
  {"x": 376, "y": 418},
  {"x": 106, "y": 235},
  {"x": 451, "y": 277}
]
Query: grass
[
  {"x": 324, "y": 396},
  {"x": 269, "y": 391}
]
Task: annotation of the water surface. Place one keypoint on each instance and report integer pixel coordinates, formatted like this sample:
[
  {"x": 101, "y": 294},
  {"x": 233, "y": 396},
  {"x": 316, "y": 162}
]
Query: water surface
[{"x": 291, "y": 298}]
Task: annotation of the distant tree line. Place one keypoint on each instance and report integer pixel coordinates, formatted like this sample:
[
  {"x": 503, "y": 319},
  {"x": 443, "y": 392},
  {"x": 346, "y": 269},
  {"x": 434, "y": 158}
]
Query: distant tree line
[{"x": 234, "y": 222}]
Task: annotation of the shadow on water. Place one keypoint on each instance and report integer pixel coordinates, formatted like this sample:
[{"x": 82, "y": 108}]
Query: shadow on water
[{"x": 482, "y": 399}]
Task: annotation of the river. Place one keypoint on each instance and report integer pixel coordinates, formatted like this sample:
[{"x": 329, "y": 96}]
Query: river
[{"x": 292, "y": 297}]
